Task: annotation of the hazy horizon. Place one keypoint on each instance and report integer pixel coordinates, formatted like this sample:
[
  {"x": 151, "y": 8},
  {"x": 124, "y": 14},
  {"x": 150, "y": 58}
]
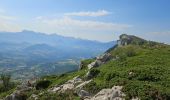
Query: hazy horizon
[{"x": 93, "y": 20}]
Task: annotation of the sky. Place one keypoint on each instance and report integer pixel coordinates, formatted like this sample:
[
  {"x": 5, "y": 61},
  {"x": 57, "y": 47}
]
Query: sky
[{"x": 101, "y": 20}]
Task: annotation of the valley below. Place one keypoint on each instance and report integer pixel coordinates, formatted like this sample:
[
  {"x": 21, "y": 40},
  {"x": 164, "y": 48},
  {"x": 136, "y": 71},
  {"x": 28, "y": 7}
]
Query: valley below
[
  {"x": 27, "y": 54},
  {"x": 23, "y": 73},
  {"x": 132, "y": 69}
]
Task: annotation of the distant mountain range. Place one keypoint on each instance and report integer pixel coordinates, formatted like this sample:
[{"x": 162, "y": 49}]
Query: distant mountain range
[
  {"x": 29, "y": 43},
  {"x": 133, "y": 69},
  {"x": 28, "y": 49}
]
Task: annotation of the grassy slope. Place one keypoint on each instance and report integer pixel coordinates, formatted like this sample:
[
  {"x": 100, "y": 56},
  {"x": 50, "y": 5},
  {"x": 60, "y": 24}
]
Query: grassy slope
[{"x": 149, "y": 66}]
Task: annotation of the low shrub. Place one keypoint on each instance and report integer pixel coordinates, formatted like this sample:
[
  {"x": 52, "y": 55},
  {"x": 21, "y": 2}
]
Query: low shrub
[{"x": 42, "y": 84}]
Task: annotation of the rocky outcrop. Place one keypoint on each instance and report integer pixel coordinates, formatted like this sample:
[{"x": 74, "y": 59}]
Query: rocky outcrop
[
  {"x": 75, "y": 80},
  {"x": 33, "y": 97},
  {"x": 76, "y": 84},
  {"x": 82, "y": 84},
  {"x": 130, "y": 39},
  {"x": 88, "y": 75},
  {"x": 100, "y": 60},
  {"x": 114, "y": 93},
  {"x": 83, "y": 94},
  {"x": 19, "y": 93},
  {"x": 69, "y": 85},
  {"x": 124, "y": 40},
  {"x": 80, "y": 65}
]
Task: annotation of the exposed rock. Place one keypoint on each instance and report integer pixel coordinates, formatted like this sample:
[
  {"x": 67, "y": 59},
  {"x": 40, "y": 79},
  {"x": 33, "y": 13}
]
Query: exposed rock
[
  {"x": 20, "y": 92},
  {"x": 93, "y": 64},
  {"x": 75, "y": 80},
  {"x": 82, "y": 84},
  {"x": 88, "y": 75},
  {"x": 54, "y": 89},
  {"x": 131, "y": 74},
  {"x": 124, "y": 40},
  {"x": 100, "y": 60},
  {"x": 33, "y": 97},
  {"x": 80, "y": 66},
  {"x": 83, "y": 94},
  {"x": 129, "y": 39},
  {"x": 110, "y": 94},
  {"x": 135, "y": 98},
  {"x": 69, "y": 85},
  {"x": 24, "y": 87},
  {"x": 17, "y": 95},
  {"x": 62, "y": 88},
  {"x": 105, "y": 57}
]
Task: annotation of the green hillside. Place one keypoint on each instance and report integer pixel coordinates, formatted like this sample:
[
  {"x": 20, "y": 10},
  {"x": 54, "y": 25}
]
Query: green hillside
[{"x": 141, "y": 67}]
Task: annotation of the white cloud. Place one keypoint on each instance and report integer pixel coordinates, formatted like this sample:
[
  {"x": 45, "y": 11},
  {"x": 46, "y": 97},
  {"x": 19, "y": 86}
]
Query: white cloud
[
  {"x": 87, "y": 29},
  {"x": 4, "y": 17},
  {"x": 66, "y": 26},
  {"x": 89, "y": 13},
  {"x": 69, "y": 23},
  {"x": 7, "y": 23}
]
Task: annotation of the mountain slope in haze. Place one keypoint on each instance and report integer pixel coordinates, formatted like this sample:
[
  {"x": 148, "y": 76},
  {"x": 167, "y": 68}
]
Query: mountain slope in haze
[
  {"x": 42, "y": 38},
  {"x": 29, "y": 41},
  {"x": 30, "y": 50},
  {"x": 136, "y": 69}
]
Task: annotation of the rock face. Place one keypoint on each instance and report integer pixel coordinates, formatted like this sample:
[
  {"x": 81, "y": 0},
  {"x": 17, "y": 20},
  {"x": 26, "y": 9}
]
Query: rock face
[
  {"x": 129, "y": 39},
  {"x": 124, "y": 40},
  {"x": 75, "y": 84},
  {"x": 82, "y": 84},
  {"x": 83, "y": 94},
  {"x": 114, "y": 93},
  {"x": 80, "y": 66},
  {"x": 19, "y": 93},
  {"x": 33, "y": 97},
  {"x": 69, "y": 85},
  {"x": 100, "y": 60},
  {"x": 88, "y": 75}
]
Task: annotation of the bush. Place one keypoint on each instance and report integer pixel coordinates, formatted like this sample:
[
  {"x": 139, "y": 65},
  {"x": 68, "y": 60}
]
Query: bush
[
  {"x": 5, "y": 80},
  {"x": 21, "y": 96},
  {"x": 130, "y": 53},
  {"x": 92, "y": 87},
  {"x": 122, "y": 57},
  {"x": 42, "y": 84},
  {"x": 94, "y": 72},
  {"x": 6, "y": 84},
  {"x": 145, "y": 91},
  {"x": 151, "y": 73},
  {"x": 109, "y": 76}
]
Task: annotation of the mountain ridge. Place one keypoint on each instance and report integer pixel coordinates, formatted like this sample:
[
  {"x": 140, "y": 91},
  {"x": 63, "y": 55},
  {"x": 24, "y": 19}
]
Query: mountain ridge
[
  {"x": 27, "y": 33},
  {"x": 30, "y": 49},
  {"x": 134, "y": 69}
]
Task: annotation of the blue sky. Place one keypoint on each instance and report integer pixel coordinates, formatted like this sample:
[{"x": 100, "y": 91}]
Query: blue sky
[{"x": 102, "y": 20}]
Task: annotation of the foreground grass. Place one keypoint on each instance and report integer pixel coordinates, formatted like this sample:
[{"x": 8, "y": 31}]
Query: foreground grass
[{"x": 142, "y": 70}]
